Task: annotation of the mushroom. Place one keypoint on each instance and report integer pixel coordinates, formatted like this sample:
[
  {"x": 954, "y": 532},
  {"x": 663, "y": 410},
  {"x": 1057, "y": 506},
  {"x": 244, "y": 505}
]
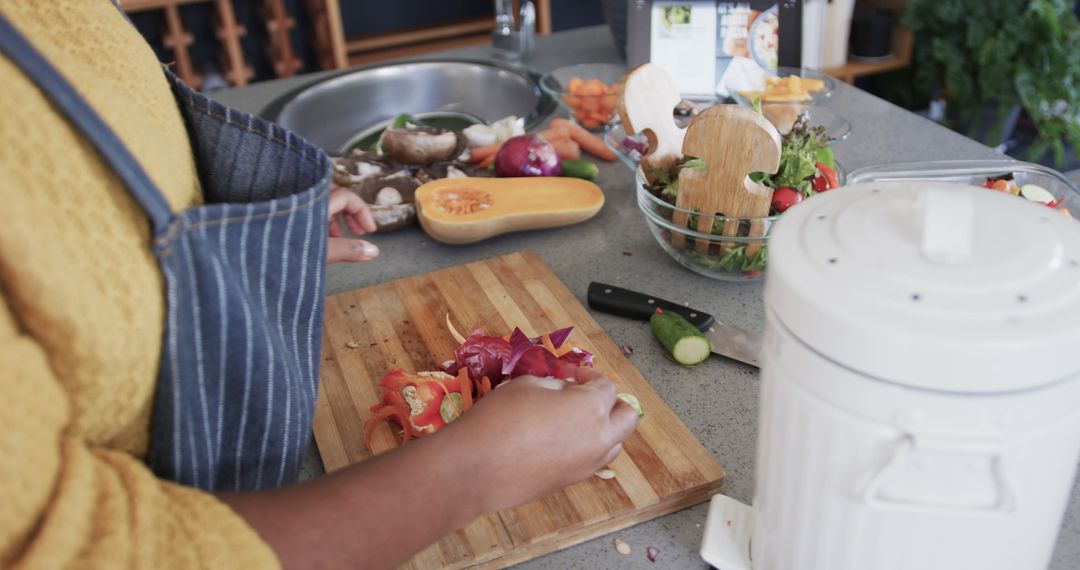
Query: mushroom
[
  {"x": 357, "y": 166},
  {"x": 390, "y": 200},
  {"x": 452, "y": 170},
  {"x": 420, "y": 145}
]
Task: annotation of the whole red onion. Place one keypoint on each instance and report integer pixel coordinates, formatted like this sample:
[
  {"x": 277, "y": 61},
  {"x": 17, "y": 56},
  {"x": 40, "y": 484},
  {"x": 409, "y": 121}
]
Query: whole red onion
[{"x": 527, "y": 155}]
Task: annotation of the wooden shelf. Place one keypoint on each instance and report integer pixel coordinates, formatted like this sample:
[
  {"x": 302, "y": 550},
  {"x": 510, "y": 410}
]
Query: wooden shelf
[
  {"x": 411, "y": 50},
  {"x": 852, "y": 69},
  {"x": 902, "y": 43},
  {"x": 419, "y": 35}
]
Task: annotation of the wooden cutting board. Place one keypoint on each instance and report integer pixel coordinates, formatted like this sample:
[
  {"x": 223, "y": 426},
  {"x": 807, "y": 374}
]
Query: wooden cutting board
[{"x": 402, "y": 324}]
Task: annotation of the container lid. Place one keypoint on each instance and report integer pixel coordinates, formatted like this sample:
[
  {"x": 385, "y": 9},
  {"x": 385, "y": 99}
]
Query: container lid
[{"x": 930, "y": 284}]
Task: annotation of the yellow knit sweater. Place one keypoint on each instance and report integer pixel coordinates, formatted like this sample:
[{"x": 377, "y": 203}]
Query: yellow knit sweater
[{"x": 81, "y": 314}]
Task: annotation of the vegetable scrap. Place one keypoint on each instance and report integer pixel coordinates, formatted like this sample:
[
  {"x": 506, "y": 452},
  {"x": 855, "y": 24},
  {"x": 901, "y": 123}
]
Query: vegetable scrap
[
  {"x": 651, "y": 553},
  {"x": 1032, "y": 192},
  {"x": 622, "y": 547},
  {"x": 422, "y": 403},
  {"x": 605, "y": 474},
  {"x": 627, "y": 254},
  {"x": 352, "y": 344},
  {"x": 627, "y": 349}
]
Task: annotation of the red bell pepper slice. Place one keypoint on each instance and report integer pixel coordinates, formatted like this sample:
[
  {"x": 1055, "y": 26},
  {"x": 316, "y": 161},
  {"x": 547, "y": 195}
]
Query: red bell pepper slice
[
  {"x": 400, "y": 414},
  {"x": 830, "y": 175}
]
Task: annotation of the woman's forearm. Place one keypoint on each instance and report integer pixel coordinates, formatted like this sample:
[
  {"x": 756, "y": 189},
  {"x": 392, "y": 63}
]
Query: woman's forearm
[{"x": 374, "y": 514}]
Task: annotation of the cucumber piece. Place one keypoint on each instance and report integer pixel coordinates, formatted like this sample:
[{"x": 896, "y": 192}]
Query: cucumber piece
[
  {"x": 1037, "y": 193},
  {"x": 682, "y": 340},
  {"x": 579, "y": 169},
  {"x": 633, "y": 401}
]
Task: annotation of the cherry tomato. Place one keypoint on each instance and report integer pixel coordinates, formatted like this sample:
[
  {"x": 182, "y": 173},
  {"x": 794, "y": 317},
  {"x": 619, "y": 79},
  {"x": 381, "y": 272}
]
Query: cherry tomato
[
  {"x": 820, "y": 183},
  {"x": 784, "y": 198}
]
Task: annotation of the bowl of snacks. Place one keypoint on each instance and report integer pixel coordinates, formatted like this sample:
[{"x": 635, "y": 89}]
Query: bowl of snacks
[
  {"x": 807, "y": 167},
  {"x": 587, "y": 91}
]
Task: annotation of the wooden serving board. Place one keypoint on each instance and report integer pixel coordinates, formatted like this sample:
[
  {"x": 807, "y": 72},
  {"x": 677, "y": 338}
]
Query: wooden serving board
[{"x": 402, "y": 324}]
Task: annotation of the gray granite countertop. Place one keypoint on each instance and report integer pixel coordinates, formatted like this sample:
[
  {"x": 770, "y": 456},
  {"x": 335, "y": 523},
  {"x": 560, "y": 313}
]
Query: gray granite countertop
[{"x": 718, "y": 400}]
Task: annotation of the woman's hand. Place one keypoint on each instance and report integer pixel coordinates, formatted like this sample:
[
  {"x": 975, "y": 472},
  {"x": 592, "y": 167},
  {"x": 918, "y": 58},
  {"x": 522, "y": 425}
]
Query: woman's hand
[
  {"x": 533, "y": 436},
  {"x": 530, "y": 437},
  {"x": 357, "y": 217}
]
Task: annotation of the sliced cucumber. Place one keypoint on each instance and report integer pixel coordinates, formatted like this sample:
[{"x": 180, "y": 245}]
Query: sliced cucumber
[
  {"x": 579, "y": 169},
  {"x": 1037, "y": 193},
  {"x": 682, "y": 340},
  {"x": 633, "y": 401}
]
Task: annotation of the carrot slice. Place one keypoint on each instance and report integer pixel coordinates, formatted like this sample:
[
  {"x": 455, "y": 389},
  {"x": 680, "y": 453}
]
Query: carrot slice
[
  {"x": 487, "y": 161},
  {"x": 480, "y": 153},
  {"x": 466, "y": 389},
  {"x": 485, "y": 386},
  {"x": 590, "y": 143},
  {"x": 594, "y": 87}
]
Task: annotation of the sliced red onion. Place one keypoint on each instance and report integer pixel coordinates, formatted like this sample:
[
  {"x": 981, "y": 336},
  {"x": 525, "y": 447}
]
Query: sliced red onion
[
  {"x": 519, "y": 343},
  {"x": 651, "y": 553},
  {"x": 559, "y": 337},
  {"x": 639, "y": 143},
  {"x": 483, "y": 356}
]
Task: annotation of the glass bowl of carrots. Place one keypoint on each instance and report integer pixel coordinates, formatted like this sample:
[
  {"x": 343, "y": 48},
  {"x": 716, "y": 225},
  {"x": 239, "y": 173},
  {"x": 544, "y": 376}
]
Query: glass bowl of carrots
[{"x": 588, "y": 91}]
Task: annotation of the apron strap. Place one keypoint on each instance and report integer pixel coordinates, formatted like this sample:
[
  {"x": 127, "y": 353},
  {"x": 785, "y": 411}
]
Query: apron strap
[{"x": 81, "y": 115}]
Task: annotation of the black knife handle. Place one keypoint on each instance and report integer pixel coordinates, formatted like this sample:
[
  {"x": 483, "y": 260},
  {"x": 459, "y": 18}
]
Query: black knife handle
[{"x": 634, "y": 305}]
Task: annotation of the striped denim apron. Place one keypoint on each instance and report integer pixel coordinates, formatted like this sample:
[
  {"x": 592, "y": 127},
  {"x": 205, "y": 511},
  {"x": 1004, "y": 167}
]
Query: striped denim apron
[{"x": 244, "y": 286}]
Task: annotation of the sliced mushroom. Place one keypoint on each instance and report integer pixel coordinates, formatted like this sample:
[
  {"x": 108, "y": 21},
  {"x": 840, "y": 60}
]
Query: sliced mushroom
[
  {"x": 446, "y": 169},
  {"x": 391, "y": 200},
  {"x": 354, "y": 168},
  {"x": 421, "y": 145},
  {"x": 388, "y": 196}
]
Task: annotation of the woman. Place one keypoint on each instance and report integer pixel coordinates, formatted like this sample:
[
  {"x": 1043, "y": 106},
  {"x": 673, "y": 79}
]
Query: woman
[{"x": 161, "y": 272}]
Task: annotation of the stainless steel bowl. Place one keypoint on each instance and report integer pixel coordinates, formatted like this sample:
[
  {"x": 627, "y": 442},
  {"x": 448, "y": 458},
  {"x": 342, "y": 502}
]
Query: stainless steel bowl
[{"x": 339, "y": 112}]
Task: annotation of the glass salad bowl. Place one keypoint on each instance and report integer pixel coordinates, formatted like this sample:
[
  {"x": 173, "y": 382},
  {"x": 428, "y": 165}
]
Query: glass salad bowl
[
  {"x": 588, "y": 91},
  {"x": 741, "y": 258}
]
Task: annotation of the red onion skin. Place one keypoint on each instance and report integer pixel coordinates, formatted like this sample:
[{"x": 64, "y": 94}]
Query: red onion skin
[{"x": 527, "y": 155}]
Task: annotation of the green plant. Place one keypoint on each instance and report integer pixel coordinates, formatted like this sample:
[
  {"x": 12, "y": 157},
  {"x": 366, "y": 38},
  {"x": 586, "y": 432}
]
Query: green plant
[{"x": 1004, "y": 53}]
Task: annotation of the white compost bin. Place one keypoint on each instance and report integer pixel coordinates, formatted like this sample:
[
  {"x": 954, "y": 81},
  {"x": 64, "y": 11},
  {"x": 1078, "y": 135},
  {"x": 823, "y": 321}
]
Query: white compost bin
[{"x": 920, "y": 387}]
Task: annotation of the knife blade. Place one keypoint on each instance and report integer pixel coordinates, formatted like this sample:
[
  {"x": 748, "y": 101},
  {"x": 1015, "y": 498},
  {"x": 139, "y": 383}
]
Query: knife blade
[{"x": 726, "y": 340}]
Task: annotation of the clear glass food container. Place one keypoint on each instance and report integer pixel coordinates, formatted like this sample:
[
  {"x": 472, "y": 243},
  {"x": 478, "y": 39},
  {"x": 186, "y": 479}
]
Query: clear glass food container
[
  {"x": 739, "y": 258},
  {"x": 976, "y": 173}
]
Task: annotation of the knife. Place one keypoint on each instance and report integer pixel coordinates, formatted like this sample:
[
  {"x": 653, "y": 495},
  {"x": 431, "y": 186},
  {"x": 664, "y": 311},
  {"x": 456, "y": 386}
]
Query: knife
[{"x": 726, "y": 340}]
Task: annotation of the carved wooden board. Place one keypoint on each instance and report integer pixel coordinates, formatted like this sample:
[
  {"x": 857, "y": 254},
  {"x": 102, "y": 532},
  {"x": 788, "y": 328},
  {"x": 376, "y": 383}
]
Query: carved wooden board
[{"x": 402, "y": 324}]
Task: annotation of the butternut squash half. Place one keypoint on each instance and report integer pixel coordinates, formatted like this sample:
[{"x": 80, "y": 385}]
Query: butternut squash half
[{"x": 467, "y": 210}]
